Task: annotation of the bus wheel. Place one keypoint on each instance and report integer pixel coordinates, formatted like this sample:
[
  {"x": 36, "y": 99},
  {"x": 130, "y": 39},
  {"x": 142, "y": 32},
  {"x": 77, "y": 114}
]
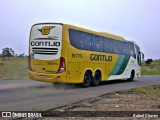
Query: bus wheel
[
  {"x": 87, "y": 79},
  {"x": 132, "y": 76},
  {"x": 96, "y": 79}
]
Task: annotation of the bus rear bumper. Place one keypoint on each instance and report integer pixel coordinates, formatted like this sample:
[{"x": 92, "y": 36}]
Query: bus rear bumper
[{"x": 61, "y": 77}]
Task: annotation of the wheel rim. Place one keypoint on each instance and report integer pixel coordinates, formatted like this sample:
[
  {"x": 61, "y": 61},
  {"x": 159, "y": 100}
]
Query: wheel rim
[
  {"x": 87, "y": 80},
  {"x": 97, "y": 79}
]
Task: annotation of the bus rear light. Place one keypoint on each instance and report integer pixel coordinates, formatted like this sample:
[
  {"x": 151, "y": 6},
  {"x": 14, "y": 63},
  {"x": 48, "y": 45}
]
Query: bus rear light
[{"x": 62, "y": 66}]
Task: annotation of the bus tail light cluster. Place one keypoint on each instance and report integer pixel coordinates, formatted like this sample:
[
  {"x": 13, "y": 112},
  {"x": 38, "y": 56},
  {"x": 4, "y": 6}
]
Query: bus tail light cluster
[
  {"x": 29, "y": 63},
  {"x": 62, "y": 66}
]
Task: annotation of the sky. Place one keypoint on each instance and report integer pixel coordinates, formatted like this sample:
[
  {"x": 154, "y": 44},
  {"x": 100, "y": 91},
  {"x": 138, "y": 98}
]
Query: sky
[{"x": 137, "y": 20}]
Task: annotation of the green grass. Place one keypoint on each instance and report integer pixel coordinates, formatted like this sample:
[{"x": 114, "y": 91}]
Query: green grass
[
  {"x": 151, "y": 69},
  {"x": 14, "y": 68},
  {"x": 145, "y": 90}
]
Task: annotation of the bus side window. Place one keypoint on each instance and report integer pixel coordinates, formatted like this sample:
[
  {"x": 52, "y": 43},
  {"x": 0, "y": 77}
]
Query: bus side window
[
  {"x": 92, "y": 37},
  {"x": 85, "y": 41},
  {"x": 107, "y": 45},
  {"x": 124, "y": 48},
  {"x": 74, "y": 36},
  {"x": 97, "y": 43},
  {"x": 116, "y": 47},
  {"x": 132, "y": 51},
  {"x": 101, "y": 42}
]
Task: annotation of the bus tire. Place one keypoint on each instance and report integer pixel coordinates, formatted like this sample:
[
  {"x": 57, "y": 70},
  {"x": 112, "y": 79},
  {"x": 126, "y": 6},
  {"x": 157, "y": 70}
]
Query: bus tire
[
  {"x": 96, "y": 79},
  {"x": 87, "y": 79},
  {"x": 132, "y": 76}
]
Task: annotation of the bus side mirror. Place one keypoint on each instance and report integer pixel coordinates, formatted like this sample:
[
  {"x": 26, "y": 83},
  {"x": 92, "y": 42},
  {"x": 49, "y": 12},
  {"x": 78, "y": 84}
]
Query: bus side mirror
[{"x": 142, "y": 55}]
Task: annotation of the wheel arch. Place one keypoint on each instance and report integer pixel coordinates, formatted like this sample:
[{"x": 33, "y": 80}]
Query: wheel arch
[
  {"x": 132, "y": 75},
  {"x": 90, "y": 71},
  {"x": 100, "y": 71},
  {"x": 132, "y": 71}
]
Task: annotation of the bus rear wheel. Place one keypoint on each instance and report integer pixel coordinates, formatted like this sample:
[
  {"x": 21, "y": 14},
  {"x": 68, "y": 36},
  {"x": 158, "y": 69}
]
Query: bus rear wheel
[
  {"x": 96, "y": 79},
  {"x": 87, "y": 79}
]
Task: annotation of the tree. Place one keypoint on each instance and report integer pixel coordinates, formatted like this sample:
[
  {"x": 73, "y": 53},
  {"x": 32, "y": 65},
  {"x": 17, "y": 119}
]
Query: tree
[
  {"x": 21, "y": 55},
  {"x": 149, "y": 61},
  {"x": 2, "y": 59},
  {"x": 8, "y": 52},
  {"x": 12, "y": 51}
]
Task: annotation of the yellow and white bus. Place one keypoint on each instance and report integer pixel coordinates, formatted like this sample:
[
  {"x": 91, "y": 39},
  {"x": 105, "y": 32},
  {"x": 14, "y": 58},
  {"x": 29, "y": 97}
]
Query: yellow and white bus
[{"x": 69, "y": 54}]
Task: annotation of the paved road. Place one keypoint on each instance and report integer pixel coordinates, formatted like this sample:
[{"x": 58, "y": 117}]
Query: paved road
[{"x": 29, "y": 95}]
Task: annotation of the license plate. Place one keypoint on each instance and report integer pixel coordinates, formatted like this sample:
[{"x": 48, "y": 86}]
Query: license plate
[{"x": 43, "y": 76}]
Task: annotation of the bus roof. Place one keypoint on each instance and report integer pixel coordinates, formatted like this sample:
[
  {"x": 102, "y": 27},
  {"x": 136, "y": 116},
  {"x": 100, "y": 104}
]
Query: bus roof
[{"x": 105, "y": 34}]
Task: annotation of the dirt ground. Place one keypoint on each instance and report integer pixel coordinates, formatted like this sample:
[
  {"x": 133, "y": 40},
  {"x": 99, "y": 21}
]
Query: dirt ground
[{"x": 117, "y": 101}]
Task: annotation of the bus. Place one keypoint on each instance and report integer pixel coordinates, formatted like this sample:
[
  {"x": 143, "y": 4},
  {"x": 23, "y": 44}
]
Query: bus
[{"x": 63, "y": 53}]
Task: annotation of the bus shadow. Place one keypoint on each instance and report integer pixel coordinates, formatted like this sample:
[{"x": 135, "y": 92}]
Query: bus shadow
[
  {"x": 64, "y": 86},
  {"x": 118, "y": 81}
]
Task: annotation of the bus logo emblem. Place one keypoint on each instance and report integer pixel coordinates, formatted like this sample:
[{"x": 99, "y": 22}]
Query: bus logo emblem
[{"x": 46, "y": 30}]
